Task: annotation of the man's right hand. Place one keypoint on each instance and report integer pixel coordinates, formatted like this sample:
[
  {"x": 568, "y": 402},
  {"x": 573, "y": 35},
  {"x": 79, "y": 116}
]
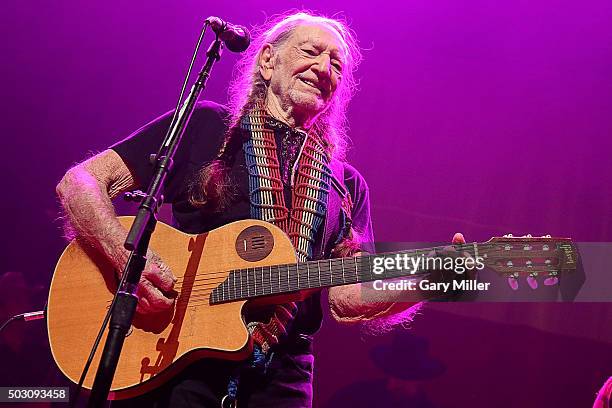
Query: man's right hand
[
  {"x": 156, "y": 289},
  {"x": 85, "y": 192}
]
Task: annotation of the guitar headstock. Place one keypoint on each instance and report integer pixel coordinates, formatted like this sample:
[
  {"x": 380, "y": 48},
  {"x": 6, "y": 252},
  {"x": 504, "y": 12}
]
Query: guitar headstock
[{"x": 531, "y": 258}]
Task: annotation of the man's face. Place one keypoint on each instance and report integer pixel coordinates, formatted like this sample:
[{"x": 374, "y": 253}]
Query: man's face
[{"x": 307, "y": 69}]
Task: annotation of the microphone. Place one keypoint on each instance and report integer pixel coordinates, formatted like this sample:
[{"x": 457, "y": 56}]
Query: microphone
[{"x": 235, "y": 37}]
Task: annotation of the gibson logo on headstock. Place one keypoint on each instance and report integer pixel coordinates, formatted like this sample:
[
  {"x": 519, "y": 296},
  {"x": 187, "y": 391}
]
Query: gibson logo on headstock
[{"x": 569, "y": 253}]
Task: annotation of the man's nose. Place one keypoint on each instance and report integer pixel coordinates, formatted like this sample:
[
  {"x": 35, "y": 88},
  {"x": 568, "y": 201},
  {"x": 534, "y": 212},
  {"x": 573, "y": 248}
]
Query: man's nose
[{"x": 323, "y": 64}]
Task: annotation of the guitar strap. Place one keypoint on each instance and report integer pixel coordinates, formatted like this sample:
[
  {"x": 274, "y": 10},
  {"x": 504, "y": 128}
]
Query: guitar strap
[
  {"x": 310, "y": 181},
  {"x": 312, "y": 208}
]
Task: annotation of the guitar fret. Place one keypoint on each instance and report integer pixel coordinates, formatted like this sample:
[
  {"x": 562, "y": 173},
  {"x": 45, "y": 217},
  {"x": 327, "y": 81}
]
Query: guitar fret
[
  {"x": 241, "y": 295},
  {"x": 234, "y": 275},
  {"x": 266, "y": 286},
  {"x": 331, "y": 273},
  {"x": 255, "y": 281},
  {"x": 229, "y": 290},
  {"x": 415, "y": 254},
  {"x": 228, "y": 294},
  {"x": 304, "y": 279},
  {"x": 248, "y": 284},
  {"x": 270, "y": 280},
  {"x": 297, "y": 270},
  {"x": 356, "y": 273},
  {"x": 308, "y": 274},
  {"x": 342, "y": 262},
  {"x": 263, "y": 282},
  {"x": 319, "y": 272},
  {"x": 229, "y": 285}
]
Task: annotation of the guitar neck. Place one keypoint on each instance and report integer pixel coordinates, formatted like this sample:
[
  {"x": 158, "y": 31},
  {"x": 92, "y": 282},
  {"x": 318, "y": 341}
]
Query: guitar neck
[{"x": 243, "y": 284}]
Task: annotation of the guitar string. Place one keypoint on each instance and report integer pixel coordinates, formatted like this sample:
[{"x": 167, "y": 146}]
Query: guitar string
[
  {"x": 206, "y": 289},
  {"x": 268, "y": 276},
  {"x": 339, "y": 260},
  {"x": 293, "y": 269},
  {"x": 330, "y": 273},
  {"x": 508, "y": 254},
  {"x": 202, "y": 297},
  {"x": 298, "y": 267}
]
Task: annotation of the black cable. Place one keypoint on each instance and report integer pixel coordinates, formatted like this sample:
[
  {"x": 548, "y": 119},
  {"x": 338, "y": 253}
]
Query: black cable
[
  {"x": 9, "y": 321},
  {"x": 25, "y": 317}
]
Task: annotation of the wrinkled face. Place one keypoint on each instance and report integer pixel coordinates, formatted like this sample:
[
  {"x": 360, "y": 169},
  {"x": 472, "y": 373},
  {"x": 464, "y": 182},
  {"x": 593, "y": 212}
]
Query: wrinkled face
[{"x": 307, "y": 69}]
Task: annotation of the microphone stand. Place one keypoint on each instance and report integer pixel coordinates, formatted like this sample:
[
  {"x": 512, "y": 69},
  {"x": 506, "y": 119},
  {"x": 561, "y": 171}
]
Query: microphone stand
[{"x": 140, "y": 234}]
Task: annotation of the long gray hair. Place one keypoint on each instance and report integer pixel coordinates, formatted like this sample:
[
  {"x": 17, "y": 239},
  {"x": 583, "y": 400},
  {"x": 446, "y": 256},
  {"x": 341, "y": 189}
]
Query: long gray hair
[{"x": 248, "y": 89}]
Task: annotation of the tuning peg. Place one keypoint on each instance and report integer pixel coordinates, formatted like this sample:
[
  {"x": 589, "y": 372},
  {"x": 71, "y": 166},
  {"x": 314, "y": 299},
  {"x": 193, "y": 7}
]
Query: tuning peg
[
  {"x": 552, "y": 279},
  {"x": 513, "y": 281},
  {"x": 532, "y": 281}
]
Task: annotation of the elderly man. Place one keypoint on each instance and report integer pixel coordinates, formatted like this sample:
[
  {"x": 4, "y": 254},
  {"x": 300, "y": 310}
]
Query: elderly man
[{"x": 275, "y": 155}]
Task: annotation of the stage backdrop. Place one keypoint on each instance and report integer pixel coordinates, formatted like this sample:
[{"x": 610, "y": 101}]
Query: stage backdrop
[{"x": 481, "y": 117}]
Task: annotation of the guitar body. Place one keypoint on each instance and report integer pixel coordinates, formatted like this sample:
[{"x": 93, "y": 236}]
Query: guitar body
[{"x": 160, "y": 346}]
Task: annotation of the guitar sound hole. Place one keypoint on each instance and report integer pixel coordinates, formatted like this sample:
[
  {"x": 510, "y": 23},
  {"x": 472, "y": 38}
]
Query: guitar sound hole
[{"x": 254, "y": 243}]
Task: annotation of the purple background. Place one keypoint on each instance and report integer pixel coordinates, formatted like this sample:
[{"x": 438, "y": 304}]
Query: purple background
[{"x": 481, "y": 117}]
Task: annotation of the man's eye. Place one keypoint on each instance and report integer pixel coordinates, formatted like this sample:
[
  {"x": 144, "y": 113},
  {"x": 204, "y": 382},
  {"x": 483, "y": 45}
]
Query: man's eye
[
  {"x": 310, "y": 51},
  {"x": 337, "y": 66}
]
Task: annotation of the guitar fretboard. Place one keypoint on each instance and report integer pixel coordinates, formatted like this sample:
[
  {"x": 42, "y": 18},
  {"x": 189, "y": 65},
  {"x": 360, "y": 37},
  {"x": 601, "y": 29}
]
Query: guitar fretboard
[{"x": 254, "y": 282}]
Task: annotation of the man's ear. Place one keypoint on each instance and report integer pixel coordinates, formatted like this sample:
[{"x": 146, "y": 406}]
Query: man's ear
[{"x": 266, "y": 62}]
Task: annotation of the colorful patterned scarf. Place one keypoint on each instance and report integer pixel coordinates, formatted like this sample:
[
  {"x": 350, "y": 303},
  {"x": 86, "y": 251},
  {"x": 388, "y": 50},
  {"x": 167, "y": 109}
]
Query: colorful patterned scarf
[{"x": 310, "y": 180}]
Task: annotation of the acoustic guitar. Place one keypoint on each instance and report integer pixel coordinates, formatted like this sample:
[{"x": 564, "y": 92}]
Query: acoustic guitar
[{"x": 218, "y": 272}]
